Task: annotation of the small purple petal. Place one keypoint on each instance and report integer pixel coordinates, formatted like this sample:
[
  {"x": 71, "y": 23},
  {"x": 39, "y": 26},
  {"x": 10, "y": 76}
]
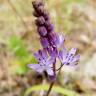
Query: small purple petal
[
  {"x": 40, "y": 70},
  {"x": 56, "y": 41},
  {"x": 33, "y": 66},
  {"x": 36, "y": 67},
  {"x": 43, "y": 54},
  {"x": 44, "y": 42},
  {"x": 50, "y": 72},
  {"x": 72, "y": 51},
  {"x": 62, "y": 54},
  {"x": 61, "y": 40},
  {"x": 50, "y": 61},
  {"x": 52, "y": 78},
  {"x": 76, "y": 58},
  {"x": 38, "y": 56},
  {"x": 53, "y": 52}
]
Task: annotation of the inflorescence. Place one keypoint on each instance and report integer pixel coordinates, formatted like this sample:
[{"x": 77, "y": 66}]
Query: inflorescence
[{"x": 50, "y": 41}]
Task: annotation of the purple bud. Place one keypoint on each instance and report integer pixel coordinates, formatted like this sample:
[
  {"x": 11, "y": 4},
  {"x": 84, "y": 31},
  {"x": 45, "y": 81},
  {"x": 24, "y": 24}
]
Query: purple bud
[
  {"x": 52, "y": 78},
  {"x": 53, "y": 52},
  {"x": 53, "y": 38},
  {"x": 42, "y": 31},
  {"x": 40, "y": 10},
  {"x": 49, "y": 26},
  {"x": 46, "y": 15},
  {"x": 36, "y": 4},
  {"x": 35, "y": 14},
  {"x": 40, "y": 21},
  {"x": 44, "y": 42}
]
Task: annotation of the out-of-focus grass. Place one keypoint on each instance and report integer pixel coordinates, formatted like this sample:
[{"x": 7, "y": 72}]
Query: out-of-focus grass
[{"x": 57, "y": 89}]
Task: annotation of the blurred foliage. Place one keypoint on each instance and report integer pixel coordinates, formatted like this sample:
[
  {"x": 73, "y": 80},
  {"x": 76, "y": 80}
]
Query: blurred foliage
[
  {"x": 57, "y": 89},
  {"x": 23, "y": 57},
  {"x": 63, "y": 16},
  {"x": 71, "y": 1}
]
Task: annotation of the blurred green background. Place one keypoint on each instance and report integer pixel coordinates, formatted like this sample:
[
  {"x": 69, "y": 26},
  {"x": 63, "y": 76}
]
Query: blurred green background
[{"x": 76, "y": 19}]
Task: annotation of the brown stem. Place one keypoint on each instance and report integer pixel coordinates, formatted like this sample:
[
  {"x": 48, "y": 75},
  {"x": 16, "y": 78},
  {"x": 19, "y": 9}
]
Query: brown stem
[
  {"x": 50, "y": 88},
  {"x": 60, "y": 67},
  {"x": 54, "y": 68}
]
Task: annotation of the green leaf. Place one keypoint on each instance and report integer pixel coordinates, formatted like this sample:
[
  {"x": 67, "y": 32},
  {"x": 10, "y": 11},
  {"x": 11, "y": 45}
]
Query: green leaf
[
  {"x": 57, "y": 89},
  {"x": 17, "y": 46},
  {"x": 71, "y": 1}
]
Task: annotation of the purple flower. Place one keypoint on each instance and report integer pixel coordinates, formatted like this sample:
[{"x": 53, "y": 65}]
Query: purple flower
[
  {"x": 44, "y": 63},
  {"x": 60, "y": 40},
  {"x": 42, "y": 31},
  {"x": 69, "y": 58}
]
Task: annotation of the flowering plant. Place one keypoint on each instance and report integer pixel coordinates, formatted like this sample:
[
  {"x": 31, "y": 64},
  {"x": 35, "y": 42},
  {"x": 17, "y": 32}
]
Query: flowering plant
[{"x": 50, "y": 41}]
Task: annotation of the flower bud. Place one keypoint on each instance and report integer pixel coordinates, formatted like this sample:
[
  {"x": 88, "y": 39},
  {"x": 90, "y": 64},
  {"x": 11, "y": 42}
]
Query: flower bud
[
  {"x": 46, "y": 15},
  {"x": 42, "y": 31},
  {"x": 49, "y": 26},
  {"x": 44, "y": 42},
  {"x": 40, "y": 21},
  {"x": 35, "y": 14},
  {"x": 36, "y": 4}
]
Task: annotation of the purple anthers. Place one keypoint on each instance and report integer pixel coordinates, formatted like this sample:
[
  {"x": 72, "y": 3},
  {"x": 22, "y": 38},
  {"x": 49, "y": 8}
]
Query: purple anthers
[{"x": 50, "y": 41}]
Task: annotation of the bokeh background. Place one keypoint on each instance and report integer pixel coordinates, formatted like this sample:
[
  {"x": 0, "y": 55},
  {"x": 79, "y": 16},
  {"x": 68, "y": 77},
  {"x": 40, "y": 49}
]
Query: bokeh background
[{"x": 76, "y": 19}]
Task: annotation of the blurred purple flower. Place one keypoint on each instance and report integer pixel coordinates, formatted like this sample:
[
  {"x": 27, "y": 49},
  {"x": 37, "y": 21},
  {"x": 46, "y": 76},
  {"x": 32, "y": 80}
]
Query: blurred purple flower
[
  {"x": 44, "y": 63},
  {"x": 69, "y": 58}
]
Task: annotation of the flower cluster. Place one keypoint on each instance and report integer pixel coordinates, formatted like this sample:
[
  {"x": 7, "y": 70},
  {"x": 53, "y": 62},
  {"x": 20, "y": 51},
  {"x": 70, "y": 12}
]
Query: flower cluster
[{"x": 51, "y": 41}]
